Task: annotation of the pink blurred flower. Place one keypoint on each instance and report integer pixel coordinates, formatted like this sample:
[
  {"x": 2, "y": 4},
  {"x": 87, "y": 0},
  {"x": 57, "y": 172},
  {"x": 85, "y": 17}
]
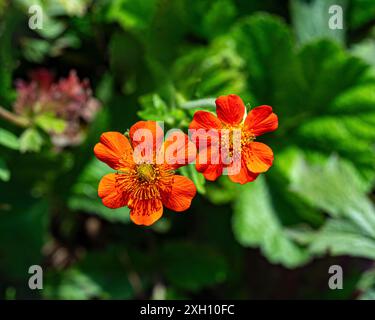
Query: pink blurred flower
[{"x": 69, "y": 99}]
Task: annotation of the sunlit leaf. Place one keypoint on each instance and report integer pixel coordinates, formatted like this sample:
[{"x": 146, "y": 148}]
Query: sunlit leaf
[
  {"x": 50, "y": 123},
  {"x": 336, "y": 189},
  {"x": 9, "y": 139},
  {"x": 311, "y": 19},
  {"x": 30, "y": 140}
]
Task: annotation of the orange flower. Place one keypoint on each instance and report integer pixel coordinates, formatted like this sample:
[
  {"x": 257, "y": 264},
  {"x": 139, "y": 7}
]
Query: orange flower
[
  {"x": 144, "y": 182},
  {"x": 253, "y": 157}
]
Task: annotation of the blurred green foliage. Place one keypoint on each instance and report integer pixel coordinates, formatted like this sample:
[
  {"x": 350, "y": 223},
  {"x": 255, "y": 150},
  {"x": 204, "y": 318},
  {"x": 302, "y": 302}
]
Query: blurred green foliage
[{"x": 161, "y": 60}]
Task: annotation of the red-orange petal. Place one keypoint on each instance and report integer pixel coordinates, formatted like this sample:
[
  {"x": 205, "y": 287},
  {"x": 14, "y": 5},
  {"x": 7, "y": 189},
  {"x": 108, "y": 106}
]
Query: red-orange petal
[
  {"x": 209, "y": 163},
  {"x": 261, "y": 120},
  {"x": 178, "y": 198},
  {"x": 147, "y": 136},
  {"x": 111, "y": 195},
  {"x": 208, "y": 156},
  {"x": 114, "y": 149},
  {"x": 258, "y": 157},
  {"x": 177, "y": 150},
  {"x": 145, "y": 212},
  {"x": 213, "y": 171},
  {"x": 204, "y": 129},
  {"x": 205, "y": 120},
  {"x": 244, "y": 176},
  {"x": 230, "y": 109}
]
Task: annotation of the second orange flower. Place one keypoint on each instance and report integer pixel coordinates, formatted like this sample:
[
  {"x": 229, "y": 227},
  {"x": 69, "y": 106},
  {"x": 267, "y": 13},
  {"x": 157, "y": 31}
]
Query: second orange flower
[{"x": 252, "y": 157}]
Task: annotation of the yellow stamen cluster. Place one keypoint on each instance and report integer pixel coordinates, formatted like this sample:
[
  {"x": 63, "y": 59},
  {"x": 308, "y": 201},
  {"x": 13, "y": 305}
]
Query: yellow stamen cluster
[
  {"x": 246, "y": 137},
  {"x": 147, "y": 172},
  {"x": 228, "y": 142},
  {"x": 144, "y": 181}
]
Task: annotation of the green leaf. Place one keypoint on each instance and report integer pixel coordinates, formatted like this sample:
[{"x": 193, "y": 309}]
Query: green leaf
[
  {"x": 266, "y": 45},
  {"x": 9, "y": 140},
  {"x": 72, "y": 284},
  {"x": 365, "y": 50},
  {"x": 4, "y": 171},
  {"x": 84, "y": 194},
  {"x": 328, "y": 72},
  {"x": 349, "y": 116},
  {"x": 57, "y": 8},
  {"x": 255, "y": 224},
  {"x": 52, "y": 28},
  {"x": 35, "y": 50},
  {"x": 209, "y": 72},
  {"x": 70, "y": 41},
  {"x": 368, "y": 295},
  {"x": 336, "y": 189},
  {"x": 156, "y": 109},
  {"x": 211, "y": 18},
  {"x": 31, "y": 141},
  {"x": 311, "y": 20},
  {"x": 289, "y": 206},
  {"x": 339, "y": 237},
  {"x": 192, "y": 267},
  {"x": 75, "y": 8},
  {"x": 135, "y": 16},
  {"x": 50, "y": 123},
  {"x": 367, "y": 280},
  {"x": 361, "y": 12},
  {"x": 315, "y": 91},
  {"x": 367, "y": 285},
  {"x": 324, "y": 99}
]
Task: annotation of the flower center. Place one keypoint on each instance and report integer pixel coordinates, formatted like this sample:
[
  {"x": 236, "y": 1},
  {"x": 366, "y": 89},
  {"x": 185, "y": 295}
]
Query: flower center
[
  {"x": 146, "y": 172},
  {"x": 247, "y": 137},
  {"x": 236, "y": 137}
]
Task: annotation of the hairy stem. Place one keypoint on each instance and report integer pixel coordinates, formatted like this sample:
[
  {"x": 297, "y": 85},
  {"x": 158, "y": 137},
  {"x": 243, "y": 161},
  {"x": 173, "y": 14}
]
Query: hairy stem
[
  {"x": 209, "y": 102},
  {"x": 13, "y": 118}
]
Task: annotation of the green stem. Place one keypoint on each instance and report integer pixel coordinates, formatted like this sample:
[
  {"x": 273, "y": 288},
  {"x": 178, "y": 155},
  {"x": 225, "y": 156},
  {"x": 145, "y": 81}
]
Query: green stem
[
  {"x": 201, "y": 103},
  {"x": 13, "y": 118}
]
